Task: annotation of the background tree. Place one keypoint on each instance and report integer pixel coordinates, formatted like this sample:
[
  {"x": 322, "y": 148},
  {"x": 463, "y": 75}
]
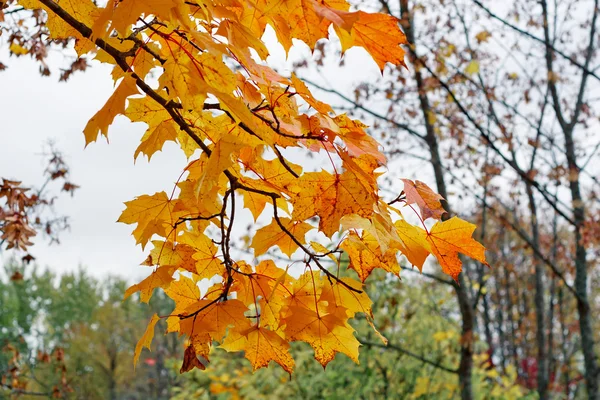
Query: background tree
[
  {"x": 84, "y": 323},
  {"x": 496, "y": 110}
]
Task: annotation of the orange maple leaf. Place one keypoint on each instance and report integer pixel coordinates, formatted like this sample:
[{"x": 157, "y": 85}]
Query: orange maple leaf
[
  {"x": 427, "y": 200},
  {"x": 451, "y": 237},
  {"x": 272, "y": 235},
  {"x": 152, "y": 214},
  {"x": 260, "y": 346},
  {"x": 365, "y": 255},
  {"x": 146, "y": 339},
  {"x": 161, "y": 278},
  {"x": 327, "y": 334},
  {"x": 213, "y": 317}
]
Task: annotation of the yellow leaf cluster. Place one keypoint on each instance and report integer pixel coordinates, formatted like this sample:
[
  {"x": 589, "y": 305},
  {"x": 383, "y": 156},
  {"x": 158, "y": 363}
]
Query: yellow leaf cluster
[{"x": 194, "y": 73}]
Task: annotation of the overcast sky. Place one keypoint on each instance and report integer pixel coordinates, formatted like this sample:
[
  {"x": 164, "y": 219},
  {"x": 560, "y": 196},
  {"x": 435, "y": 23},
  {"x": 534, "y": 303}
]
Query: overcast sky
[{"x": 34, "y": 109}]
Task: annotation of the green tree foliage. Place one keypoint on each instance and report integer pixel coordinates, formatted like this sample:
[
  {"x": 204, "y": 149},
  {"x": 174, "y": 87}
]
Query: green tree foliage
[{"x": 83, "y": 324}]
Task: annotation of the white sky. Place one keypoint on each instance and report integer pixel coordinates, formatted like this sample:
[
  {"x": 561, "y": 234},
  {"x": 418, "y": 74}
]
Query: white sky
[{"x": 34, "y": 109}]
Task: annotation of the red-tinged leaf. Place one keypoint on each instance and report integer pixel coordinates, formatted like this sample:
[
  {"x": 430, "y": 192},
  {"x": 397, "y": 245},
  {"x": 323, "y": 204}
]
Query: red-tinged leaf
[
  {"x": 190, "y": 360},
  {"x": 378, "y": 34},
  {"x": 428, "y": 201}
]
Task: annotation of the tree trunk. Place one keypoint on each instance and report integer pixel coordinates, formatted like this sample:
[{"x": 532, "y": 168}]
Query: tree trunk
[
  {"x": 540, "y": 309},
  {"x": 577, "y": 202},
  {"x": 565, "y": 338},
  {"x": 465, "y": 369},
  {"x": 112, "y": 385}
]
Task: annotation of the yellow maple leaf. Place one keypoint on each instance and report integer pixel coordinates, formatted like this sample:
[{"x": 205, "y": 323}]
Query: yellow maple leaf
[
  {"x": 220, "y": 160},
  {"x": 267, "y": 288},
  {"x": 205, "y": 256},
  {"x": 272, "y": 235},
  {"x": 184, "y": 293},
  {"x": 162, "y": 277},
  {"x": 354, "y": 301},
  {"x": 260, "y": 346},
  {"x": 298, "y": 19},
  {"x": 125, "y": 13},
  {"x": 255, "y": 202},
  {"x": 327, "y": 334},
  {"x": 365, "y": 255},
  {"x": 113, "y": 107},
  {"x": 240, "y": 37},
  {"x": 214, "y": 318},
  {"x": 152, "y": 214},
  {"x": 146, "y": 339},
  {"x": 167, "y": 253},
  {"x": 413, "y": 243},
  {"x": 84, "y": 11},
  {"x": 303, "y": 91},
  {"x": 331, "y": 196},
  {"x": 272, "y": 174},
  {"x": 451, "y": 237},
  {"x": 161, "y": 127},
  {"x": 305, "y": 290}
]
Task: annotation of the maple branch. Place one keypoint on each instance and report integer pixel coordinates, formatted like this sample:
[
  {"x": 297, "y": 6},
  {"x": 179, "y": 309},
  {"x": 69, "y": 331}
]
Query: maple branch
[
  {"x": 225, "y": 237},
  {"x": 14, "y": 11},
  {"x": 120, "y": 58},
  {"x": 181, "y": 220},
  {"x": 278, "y": 131},
  {"x": 367, "y": 110},
  {"x": 398, "y": 198},
  {"x": 284, "y": 162},
  {"x": 216, "y": 106},
  {"x": 139, "y": 43},
  {"x": 310, "y": 254},
  {"x": 241, "y": 186},
  {"x": 182, "y": 317},
  {"x": 409, "y": 353},
  {"x": 428, "y": 275}
]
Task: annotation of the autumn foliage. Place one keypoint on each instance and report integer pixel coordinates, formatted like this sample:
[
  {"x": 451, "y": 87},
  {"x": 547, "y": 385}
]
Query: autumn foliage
[
  {"x": 24, "y": 211},
  {"x": 195, "y": 73}
]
